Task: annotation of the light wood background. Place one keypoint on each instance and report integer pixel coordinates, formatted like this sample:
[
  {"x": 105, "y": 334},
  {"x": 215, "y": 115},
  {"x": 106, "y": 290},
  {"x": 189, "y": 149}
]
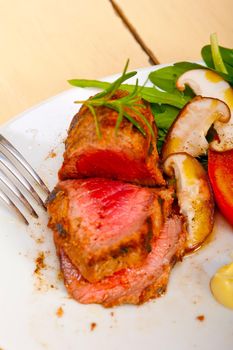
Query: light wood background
[{"x": 45, "y": 42}]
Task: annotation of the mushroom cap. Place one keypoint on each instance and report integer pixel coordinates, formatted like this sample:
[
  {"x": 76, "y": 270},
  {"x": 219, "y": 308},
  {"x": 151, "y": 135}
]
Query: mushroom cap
[
  {"x": 205, "y": 82},
  {"x": 189, "y": 130}
]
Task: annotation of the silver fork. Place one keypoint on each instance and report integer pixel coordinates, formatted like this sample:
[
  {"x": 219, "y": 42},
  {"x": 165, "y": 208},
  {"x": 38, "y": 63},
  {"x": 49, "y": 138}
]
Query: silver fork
[{"x": 10, "y": 193}]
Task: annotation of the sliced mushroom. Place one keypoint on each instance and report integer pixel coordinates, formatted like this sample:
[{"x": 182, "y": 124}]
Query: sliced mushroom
[
  {"x": 204, "y": 82},
  {"x": 194, "y": 196},
  {"x": 188, "y": 132}
]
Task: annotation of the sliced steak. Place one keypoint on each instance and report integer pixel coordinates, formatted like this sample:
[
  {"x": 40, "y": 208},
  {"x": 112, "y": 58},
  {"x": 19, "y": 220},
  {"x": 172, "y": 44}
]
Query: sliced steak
[
  {"x": 127, "y": 156},
  {"x": 104, "y": 226},
  {"x": 131, "y": 285}
]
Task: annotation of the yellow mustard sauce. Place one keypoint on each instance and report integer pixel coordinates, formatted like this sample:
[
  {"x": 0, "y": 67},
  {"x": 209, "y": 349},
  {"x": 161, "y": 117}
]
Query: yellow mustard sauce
[{"x": 221, "y": 285}]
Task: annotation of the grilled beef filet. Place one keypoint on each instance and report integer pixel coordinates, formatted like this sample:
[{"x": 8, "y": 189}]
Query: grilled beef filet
[
  {"x": 132, "y": 285},
  {"x": 103, "y": 225},
  {"x": 127, "y": 156},
  {"x": 116, "y": 241}
]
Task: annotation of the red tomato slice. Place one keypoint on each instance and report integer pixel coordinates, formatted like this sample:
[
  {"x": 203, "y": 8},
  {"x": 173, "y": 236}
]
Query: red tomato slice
[{"x": 220, "y": 169}]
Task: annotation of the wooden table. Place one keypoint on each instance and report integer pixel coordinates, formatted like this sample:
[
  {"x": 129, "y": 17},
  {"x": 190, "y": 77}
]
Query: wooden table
[{"x": 45, "y": 42}]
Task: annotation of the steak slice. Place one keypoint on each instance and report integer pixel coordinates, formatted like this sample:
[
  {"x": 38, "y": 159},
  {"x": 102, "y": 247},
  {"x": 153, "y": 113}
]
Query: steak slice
[
  {"x": 131, "y": 285},
  {"x": 104, "y": 226},
  {"x": 127, "y": 156}
]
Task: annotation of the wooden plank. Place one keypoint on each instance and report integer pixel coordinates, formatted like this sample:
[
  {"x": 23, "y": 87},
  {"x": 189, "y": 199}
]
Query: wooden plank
[
  {"x": 44, "y": 43},
  {"x": 176, "y": 30}
]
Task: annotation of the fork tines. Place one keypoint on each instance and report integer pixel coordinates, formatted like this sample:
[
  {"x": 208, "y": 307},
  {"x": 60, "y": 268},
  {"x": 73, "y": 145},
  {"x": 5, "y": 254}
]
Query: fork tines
[{"x": 12, "y": 166}]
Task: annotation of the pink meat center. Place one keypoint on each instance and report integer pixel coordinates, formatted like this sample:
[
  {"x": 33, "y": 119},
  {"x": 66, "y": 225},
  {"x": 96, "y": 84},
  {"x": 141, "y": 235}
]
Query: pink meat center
[{"x": 111, "y": 210}]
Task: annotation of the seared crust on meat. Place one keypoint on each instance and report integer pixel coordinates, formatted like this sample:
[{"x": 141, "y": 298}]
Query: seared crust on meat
[{"x": 127, "y": 156}]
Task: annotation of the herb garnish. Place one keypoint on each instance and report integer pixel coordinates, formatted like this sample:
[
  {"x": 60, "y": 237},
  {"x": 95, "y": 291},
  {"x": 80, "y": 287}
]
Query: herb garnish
[
  {"x": 166, "y": 101},
  {"x": 123, "y": 105}
]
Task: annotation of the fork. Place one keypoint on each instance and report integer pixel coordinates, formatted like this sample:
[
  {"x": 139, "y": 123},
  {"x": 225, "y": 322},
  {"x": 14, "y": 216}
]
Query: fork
[{"x": 11, "y": 193}]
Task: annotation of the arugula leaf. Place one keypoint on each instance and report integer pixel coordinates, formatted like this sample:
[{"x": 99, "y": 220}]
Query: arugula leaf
[
  {"x": 219, "y": 59},
  {"x": 227, "y": 56},
  {"x": 164, "y": 116},
  {"x": 165, "y": 78}
]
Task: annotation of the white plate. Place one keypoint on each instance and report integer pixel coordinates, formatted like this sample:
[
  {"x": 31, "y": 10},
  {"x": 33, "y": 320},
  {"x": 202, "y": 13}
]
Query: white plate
[{"x": 28, "y": 302}]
